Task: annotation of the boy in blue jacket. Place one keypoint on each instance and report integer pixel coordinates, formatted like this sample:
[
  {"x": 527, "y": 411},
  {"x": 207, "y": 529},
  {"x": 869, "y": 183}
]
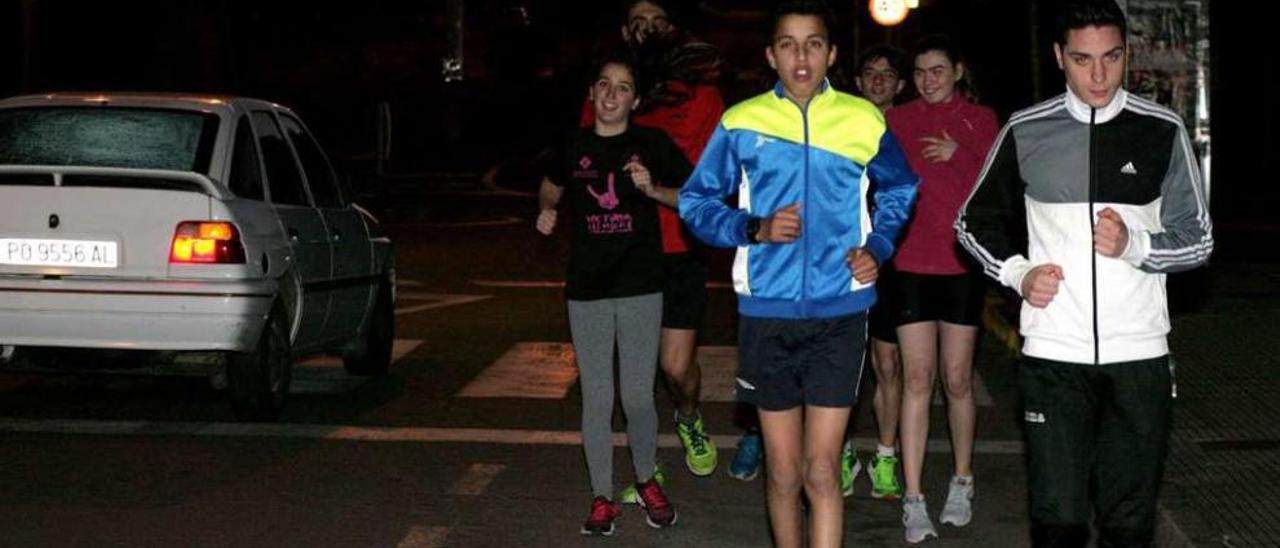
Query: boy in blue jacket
[{"x": 801, "y": 158}]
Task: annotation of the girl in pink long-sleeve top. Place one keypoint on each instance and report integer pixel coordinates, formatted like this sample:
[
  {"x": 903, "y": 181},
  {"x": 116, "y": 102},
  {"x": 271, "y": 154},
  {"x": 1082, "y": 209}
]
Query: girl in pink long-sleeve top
[{"x": 946, "y": 138}]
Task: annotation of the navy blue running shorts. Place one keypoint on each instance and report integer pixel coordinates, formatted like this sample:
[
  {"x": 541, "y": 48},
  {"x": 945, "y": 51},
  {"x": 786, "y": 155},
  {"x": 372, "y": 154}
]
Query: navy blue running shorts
[{"x": 785, "y": 363}]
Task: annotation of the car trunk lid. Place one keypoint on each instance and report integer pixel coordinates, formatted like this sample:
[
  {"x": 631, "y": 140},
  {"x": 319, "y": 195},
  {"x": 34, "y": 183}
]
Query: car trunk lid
[{"x": 99, "y": 222}]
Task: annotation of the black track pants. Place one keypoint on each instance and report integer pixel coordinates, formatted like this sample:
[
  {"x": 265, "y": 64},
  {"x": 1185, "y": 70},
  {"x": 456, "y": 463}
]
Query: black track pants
[{"x": 1097, "y": 436}]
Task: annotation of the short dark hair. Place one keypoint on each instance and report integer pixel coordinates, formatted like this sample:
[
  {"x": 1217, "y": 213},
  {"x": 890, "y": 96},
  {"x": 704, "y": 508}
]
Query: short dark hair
[
  {"x": 816, "y": 8},
  {"x": 896, "y": 58},
  {"x": 940, "y": 43},
  {"x": 1078, "y": 14},
  {"x": 943, "y": 44},
  {"x": 621, "y": 57},
  {"x": 624, "y": 11}
]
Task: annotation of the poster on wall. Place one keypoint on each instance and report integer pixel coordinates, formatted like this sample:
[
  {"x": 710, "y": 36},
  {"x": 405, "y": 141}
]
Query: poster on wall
[{"x": 1169, "y": 62}]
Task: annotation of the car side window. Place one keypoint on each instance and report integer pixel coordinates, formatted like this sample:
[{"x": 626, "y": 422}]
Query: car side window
[
  {"x": 283, "y": 176},
  {"x": 246, "y": 172},
  {"x": 320, "y": 177}
]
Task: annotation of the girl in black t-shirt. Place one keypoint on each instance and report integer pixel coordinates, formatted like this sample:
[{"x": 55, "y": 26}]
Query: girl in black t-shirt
[{"x": 609, "y": 173}]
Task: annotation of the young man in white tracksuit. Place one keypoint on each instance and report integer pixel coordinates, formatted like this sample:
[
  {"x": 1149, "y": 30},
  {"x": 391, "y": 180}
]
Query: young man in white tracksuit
[{"x": 1086, "y": 201}]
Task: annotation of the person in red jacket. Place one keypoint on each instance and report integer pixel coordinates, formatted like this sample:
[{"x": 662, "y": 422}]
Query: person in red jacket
[
  {"x": 683, "y": 101},
  {"x": 946, "y": 137}
]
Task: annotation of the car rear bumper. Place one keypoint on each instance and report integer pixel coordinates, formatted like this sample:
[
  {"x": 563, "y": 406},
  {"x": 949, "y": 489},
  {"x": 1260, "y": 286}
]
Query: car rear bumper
[{"x": 143, "y": 315}]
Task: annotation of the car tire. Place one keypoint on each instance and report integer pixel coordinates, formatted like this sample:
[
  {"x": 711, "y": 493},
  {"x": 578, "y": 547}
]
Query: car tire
[
  {"x": 372, "y": 354},
  {"x": 259, "y": 380}
]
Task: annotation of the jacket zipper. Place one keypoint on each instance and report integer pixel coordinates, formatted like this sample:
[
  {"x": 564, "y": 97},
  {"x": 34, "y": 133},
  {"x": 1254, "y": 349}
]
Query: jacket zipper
[
  {"x": 1093, "y": 255},
  {"x": 804, "y": 230}
]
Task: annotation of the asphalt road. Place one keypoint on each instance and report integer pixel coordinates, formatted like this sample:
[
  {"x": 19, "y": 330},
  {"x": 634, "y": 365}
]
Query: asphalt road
[{"x": 470, "y": 441}]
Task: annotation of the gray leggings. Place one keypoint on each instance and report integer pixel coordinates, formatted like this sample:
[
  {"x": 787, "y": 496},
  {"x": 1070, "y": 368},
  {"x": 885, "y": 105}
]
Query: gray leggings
[{"x": 636, "y": 322}]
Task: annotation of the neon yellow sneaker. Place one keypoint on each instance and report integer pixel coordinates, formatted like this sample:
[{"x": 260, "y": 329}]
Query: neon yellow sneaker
[
  {"x": 699, "y": 451},
  {"x": 849, "y": 468},
  {"x": 884, "y": 478},
  {"x": 629, "y": 495}
]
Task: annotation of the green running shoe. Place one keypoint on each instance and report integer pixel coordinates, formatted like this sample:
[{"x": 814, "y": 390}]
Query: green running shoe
[
  {"x": 849, "y": 468},
  {"x": 699, "y": 451},
  {"x": 629, "y": 495},
  {"x": 884, "y": 478}
]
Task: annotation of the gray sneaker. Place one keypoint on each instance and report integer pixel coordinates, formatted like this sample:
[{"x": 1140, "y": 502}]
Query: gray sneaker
[
  {"x": 915, "y": 520},
  {"x": 959, "y": 508}
]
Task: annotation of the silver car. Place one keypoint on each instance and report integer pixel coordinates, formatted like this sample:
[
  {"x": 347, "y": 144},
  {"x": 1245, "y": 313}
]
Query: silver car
[{"x": 189, "y": 224}]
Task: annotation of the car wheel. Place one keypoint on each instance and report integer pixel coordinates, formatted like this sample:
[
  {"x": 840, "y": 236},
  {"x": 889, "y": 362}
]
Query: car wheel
[
  {"x": 372, "y": 354},
  {"x": 259, "y": 380}
]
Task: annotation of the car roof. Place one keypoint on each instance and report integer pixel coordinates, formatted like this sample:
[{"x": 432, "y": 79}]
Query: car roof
[{"x": 202, "y": 102}]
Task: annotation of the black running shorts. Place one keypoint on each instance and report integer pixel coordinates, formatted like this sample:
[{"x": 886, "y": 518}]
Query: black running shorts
[
  {"x": 881, "y": 324},
  {"x": 684, "y": 293},
  {"x": 952, "y": 298}
]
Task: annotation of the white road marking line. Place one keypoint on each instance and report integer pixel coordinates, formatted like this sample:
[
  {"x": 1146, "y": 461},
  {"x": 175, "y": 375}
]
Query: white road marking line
[
  {"x": 540, "y": 370},
  {"x": 476, "y": 479},
  {"x": 440, "y": 300},
  {"x": 399, "y": 434},
  {"x": 425, "y": 537}
]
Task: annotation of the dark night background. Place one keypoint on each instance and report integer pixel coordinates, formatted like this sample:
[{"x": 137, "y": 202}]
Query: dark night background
[{"x": 524, "y": 66}]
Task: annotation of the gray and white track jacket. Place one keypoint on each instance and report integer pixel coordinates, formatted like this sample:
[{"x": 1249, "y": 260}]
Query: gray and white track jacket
[{"x": 1053, "y": 167}]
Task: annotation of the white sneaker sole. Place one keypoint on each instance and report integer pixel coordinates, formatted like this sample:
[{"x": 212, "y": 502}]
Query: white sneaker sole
[
  {"x": 675, "y": 516},
  {"x": 605, "y": 533},
  {"x": 922, "y": 538},
  {"x": 956, "y": 522}
]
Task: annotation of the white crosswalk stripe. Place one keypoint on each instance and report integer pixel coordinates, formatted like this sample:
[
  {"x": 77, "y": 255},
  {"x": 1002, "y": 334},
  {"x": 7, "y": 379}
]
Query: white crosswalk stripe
[
  {"x": 432, "y": 300},
  {"x": 425, "y": 537},
  {"x": 539, "y": 370},
  {"x": 546, "y": 370},
  {"x": 476, "y": 479}
]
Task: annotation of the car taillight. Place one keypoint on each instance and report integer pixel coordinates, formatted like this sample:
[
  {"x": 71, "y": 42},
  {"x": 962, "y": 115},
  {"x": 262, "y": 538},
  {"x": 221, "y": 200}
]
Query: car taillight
[{"x": 206, "y": 242}]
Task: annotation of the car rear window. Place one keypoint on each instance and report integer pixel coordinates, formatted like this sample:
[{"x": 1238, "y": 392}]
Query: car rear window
[{"x": 108, "y": 137}]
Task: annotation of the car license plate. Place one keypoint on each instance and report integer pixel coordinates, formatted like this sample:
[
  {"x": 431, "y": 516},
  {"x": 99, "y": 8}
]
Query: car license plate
[{"x": 74, "y": 253}]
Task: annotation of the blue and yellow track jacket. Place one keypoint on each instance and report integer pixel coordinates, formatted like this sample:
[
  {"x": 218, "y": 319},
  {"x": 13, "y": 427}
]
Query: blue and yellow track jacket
[{"x": 774, "y": 153}]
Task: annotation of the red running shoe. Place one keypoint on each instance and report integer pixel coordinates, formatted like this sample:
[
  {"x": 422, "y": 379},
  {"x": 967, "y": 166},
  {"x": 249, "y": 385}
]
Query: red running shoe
[
  {"x": 657, "y": 509},
  {"x": 603, "y": 513}
]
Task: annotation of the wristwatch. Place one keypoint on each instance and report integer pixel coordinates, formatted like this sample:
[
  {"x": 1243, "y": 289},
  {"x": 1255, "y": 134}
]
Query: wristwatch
[{"x": 753, "y": 228}]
